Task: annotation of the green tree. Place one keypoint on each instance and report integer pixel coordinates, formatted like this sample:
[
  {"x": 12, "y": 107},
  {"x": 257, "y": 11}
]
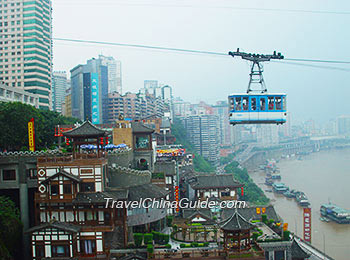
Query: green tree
[
  {"x": 138, "y": 237},
  {"x": 14, "y": 118},
  {"x": 11, "y": 229}
]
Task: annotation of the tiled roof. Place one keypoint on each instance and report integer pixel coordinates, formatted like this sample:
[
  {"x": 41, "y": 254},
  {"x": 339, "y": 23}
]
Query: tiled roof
[
  {"x": 63, "y": 173},
  {"x": 56, "y": 224},
  {"x": 251, "y": 214},
  {"x": 146, "y": 191},
  {"x": 86, "y": 129},
  {"x": 138, "y": 127},
  {"x": 236, "y": 222},
  {"x": 215, "y": 181},
  {"x": 298, "y": 252},
  {"x": 99, "y": 197}
]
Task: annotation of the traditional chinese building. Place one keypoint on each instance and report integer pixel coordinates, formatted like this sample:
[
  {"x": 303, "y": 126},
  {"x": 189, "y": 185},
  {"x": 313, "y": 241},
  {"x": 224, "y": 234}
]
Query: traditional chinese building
[
  {"x": 70, "y": 214},
  {"x": 222, "y": 186}
]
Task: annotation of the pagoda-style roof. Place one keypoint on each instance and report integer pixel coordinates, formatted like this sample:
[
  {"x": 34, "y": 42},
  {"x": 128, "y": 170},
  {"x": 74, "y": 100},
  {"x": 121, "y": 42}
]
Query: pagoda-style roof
[
  {"x": 250, "y": 213},
  {"x": 215, "y": 181},
  {"x": 62, "y": 173},
  {"x": 148, "y": 190},
  {"x": 138, "y": 127},
  {"x": 298, "y": 252},
  {"x": 235, "y": 223},
  {"x": 99, "y": 197},
  {"x": 55, "y": 224},
  {"x": 87, "y": 129}
]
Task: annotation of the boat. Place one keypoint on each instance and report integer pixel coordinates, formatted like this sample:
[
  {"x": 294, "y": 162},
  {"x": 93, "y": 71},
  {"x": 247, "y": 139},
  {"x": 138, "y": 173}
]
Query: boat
[
  {"x": 268, "y": 181},
  {"x": 302, "y": 199},
  {"x": 275, "y": 176},
  {"x": 324, "y": 219},
  {"x": 288, "y": 194},
  {"x": 335, "y": 213},
  {"x": 280, "y": 187}
]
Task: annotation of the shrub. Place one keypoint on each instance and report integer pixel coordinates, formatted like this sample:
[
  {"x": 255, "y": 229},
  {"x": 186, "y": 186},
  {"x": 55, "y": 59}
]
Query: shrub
[
  {"x": 271, "y": 221},
  {"x": 255, "y": 235},
  {"x": 194, "y": 244},
  {"x": 138, "y": 237},
  {"x": 206, "y": 243},
  {"x": 264, "y": 218},
  {"x": 166, "y": 238},
  {"x": 188, "y": 245},
  {"x": 175, "y": 227},
  {"x": 148, "y": 238},
  {"x": 156, "y": 237},
  {"x": 168, "y": 246},
  {"x": 286, "y": 234},
  {"x": 150, "y": 248},
  {"x": 215, "y": 218},
  {"x": 169, "y": 220},
  {"x": 182, "y": 245}
]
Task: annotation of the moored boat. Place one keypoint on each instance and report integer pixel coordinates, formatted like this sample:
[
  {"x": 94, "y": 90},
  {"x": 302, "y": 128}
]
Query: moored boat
[
  {"x": 335, "y": 213},
  {"x": 280, "y": 187}
]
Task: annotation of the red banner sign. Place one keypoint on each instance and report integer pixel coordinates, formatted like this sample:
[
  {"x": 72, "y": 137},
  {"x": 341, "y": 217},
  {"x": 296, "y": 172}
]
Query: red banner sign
[
  {"x": 31, "y": 135},
  {"x": 307, "y": 224}
]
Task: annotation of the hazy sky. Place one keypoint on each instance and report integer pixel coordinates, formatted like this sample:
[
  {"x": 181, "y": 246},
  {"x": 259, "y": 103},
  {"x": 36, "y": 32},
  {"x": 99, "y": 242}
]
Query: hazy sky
[{"x": 220, "y": 26}]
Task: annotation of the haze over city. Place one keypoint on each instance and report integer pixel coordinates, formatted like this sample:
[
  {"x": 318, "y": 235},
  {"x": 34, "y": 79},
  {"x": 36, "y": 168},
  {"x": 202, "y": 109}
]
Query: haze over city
[{"x": 298, "y": 29}]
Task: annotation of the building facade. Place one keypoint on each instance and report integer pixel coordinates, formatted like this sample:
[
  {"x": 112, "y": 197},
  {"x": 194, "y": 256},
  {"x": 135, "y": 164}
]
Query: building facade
[
  {"x": 89, "y": 90},
  {"x": 59, "y": 87},
  {"x": 14, "y": 94},
  {"x": 114, "y": 73},
  {"x": 26, "y": 47},
  {"x": 202, "y": 131}
]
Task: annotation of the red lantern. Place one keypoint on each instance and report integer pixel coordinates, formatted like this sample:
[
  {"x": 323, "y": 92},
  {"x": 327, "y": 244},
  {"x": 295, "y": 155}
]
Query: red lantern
[{"x": 101, "y": 140}]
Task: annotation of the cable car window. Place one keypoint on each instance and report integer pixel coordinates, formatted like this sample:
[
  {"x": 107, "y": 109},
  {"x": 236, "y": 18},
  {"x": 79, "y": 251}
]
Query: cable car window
[
  {"x": 262, "y": 104},
  {"x": 253, "y": 104},
  {"x": 231, "y": 104},
  {"x": 238, "y": 105},
  {"x": 284, "y": 103},
  {"x": 245, "y": 103},
  {"x": 278, "y": 101},
  {"x": 270, "y": 102}
]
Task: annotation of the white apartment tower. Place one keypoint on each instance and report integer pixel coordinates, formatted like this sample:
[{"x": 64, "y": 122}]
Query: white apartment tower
[
  {"x": 114, "y": 73},
  {"x": 59, "y": 86},
  {"x": 25, "y": 44}
]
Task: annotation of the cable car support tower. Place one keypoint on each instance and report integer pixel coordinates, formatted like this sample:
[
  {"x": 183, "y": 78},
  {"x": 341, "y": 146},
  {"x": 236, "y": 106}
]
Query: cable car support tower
[{"x": 256, "y": 72}]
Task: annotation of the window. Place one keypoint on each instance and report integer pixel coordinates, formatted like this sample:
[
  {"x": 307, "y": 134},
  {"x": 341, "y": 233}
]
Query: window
[
  {"x": 278, "y": 101},
  {"x": 253, "y": 104},
  {"x": 142, "y": 142},
  {"x": 262, "y": 104},
  {"x": 271, "y": 103},
  {"x": 60, "y": 250},
  {"x": 9, "y": 175},
  {"x": 238, "y": 106},
  {"x": 245, "y": 103},
  {"x": 32, "y": 173},
  {"x": 225, "y": 194},
  {"x": 88, "y": 247},
  {"x": 87, "y": 187},
  {"x": 67, "y": 188},
  {"x": 39, "y": 251},
  {"x": 284, "y": 103},
  {"x": 54, "y": 189}
]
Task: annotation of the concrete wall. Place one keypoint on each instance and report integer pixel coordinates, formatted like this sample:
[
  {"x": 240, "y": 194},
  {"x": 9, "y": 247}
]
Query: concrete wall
[
  {"x": 122, "y": 177},
  {"x": 124, "y": 159}
]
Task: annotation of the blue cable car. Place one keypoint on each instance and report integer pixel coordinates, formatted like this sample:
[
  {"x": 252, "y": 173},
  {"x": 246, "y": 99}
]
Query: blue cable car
[
  {"x": 257, "y": 106},
  {"x": 261, "y": 108}
]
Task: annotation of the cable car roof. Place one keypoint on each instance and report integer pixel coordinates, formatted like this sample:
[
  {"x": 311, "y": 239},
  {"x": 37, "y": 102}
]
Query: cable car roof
[{"x": 258, "y": 94}]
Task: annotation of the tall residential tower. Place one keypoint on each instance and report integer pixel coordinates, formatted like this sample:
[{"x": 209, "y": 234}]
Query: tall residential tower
[{"x": 25, "y": 43}]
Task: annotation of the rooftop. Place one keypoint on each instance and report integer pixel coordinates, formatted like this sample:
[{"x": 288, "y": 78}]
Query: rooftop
[
  {"x": 87, "y": 129},
  {"x": 215, "y": 181}
]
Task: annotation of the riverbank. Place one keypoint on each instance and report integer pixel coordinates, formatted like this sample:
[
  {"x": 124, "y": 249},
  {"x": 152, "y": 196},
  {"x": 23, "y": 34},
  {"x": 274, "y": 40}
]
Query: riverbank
[{"x": 321, "y": 175}]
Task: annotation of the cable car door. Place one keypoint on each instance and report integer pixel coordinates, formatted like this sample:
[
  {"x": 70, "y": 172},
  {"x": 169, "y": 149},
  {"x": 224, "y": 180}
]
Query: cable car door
[{"x": 262, "y": 108}]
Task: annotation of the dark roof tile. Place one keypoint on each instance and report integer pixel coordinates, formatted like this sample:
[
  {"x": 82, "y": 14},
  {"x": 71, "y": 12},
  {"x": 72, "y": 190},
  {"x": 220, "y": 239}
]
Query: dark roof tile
[{"x": 87, "y": 129}]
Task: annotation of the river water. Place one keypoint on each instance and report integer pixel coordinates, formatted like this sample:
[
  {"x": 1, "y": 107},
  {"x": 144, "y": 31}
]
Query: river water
[{"x": 322, "y": 176}]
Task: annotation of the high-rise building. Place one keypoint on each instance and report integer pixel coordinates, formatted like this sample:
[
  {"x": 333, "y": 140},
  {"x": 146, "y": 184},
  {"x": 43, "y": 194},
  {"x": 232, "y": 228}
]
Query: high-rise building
[
  {"x": 114, "y": 73},
  {"x": 89, "y": 85},
  {"x": 26, "y": 52},
  {"x": 59, "y": 86},
  {"x": 343, "y": 125},
  {"x": 202, "y": 131}
]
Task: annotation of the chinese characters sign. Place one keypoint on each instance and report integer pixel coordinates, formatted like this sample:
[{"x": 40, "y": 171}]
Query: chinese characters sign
[
  {"x": 31, "y": 135},
  {"x": 307, "y": 224},
  {"x": 95, "y": 104}
]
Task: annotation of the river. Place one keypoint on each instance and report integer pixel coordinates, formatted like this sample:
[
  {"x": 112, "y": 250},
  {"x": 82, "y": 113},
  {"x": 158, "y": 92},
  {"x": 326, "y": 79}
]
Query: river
[{"x": 323, "y": 176}]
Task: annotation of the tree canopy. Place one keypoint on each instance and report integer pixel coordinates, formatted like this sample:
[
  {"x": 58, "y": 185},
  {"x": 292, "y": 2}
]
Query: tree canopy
[
  {"x": 14, "y": 118},
  {"x": 11, "y": 229}
]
